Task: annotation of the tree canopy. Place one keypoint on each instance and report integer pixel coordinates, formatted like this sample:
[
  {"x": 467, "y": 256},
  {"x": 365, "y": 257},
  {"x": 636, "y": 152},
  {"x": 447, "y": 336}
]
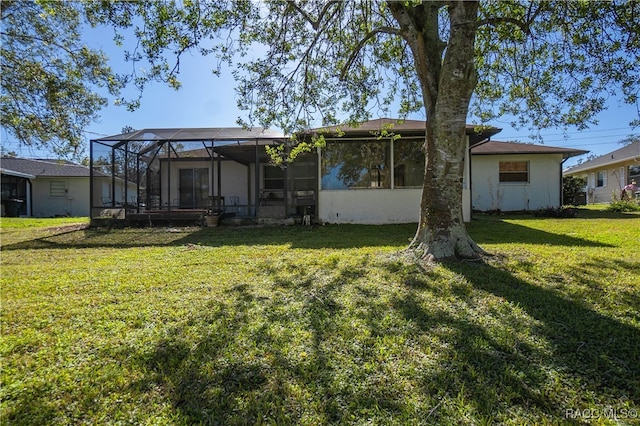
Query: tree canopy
[
  {"x": 543, "y": 64},
  {"x": 48, "y": 75}
]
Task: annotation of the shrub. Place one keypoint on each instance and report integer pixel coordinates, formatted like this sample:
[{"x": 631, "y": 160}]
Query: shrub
[
  {"x": 624, "y": 206},
  {"x": 559, "y": 212},
  {"x": 573, "y": 190}
]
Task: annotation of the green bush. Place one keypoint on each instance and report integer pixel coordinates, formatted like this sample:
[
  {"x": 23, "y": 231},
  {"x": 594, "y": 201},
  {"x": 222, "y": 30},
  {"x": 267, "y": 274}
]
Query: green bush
[
  {"x": 573, "y": 190},
  {"x": 558, "y": 212},
  {"x": 624, "y": 206}
]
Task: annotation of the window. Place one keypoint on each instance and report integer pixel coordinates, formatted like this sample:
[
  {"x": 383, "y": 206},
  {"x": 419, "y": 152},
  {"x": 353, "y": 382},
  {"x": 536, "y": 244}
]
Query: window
[
  {"x": 273, "y": 177},
  {"x": 514, "y": 171},
  {"x": 194, "y": 189},
  {"x": 57, "y": 188},
  {"x": 601, "y": 179},
  {"x": 634, "y": 175},
  {"x": 347, "y": 165},
  {"x": 302, "y": 173},
  {"x": 408, "y": 171}
]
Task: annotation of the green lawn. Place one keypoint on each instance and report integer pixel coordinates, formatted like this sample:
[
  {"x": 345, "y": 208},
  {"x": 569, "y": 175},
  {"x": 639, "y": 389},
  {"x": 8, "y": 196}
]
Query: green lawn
[{"x": 320, "y": 326}]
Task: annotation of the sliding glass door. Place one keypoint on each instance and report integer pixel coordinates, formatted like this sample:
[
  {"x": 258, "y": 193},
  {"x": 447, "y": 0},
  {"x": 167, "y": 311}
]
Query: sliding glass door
[{"x": 194, "y": 188}]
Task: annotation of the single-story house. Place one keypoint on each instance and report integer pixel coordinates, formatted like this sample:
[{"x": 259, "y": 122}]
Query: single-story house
[
  {"x": 608, "y": 174},
  {"x": 361, "y": 175},
  {"x": 44, "y": 187},
  {"x": 511, "y": 176}
]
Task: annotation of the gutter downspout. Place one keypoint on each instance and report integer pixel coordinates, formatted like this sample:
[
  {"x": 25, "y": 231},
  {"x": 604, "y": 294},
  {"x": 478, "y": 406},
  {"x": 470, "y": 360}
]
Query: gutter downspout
[
  {"x": 561, "y": 189},
  {"x": 256, "y": 181},
  {"x": 29, "y": 198},
  {"x": 470, "y": 183},
  {"x": 91, "y": 142}
]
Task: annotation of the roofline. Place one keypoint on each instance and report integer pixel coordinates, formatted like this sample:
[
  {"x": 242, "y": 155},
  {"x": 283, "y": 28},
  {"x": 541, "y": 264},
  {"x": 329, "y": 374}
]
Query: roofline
[
  {"x": 138, "y": 135},
  {"x": 16, "y": 174},
  {"x": 567, "y": 153},
  {"x": 584, "y": 167}
]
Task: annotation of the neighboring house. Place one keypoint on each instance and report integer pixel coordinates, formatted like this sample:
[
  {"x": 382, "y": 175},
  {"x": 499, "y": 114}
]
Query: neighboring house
[
  {"x": 44, "y": 187},
  {"x": 510, "y": 176},
  {"x": 608, "y": 174},
  {"x": 361, "y": 175}
]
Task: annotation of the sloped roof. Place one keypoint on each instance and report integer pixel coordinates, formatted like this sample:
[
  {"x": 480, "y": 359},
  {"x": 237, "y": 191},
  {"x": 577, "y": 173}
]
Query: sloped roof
[
  {"x": 405, "y": 127},
  {"x": 43, "y": 167},
  {"x": 626, "y": 153},
  {"x": 497, "y": 147},
  {"x": 195, "y": 134}
]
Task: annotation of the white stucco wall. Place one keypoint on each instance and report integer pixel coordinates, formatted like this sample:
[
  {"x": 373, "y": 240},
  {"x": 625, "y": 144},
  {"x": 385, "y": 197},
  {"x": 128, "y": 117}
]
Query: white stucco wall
[
  {"x": 369, "y": 206},
  {"x": 542, "y": 190},
  {"x": 74, "y": 203}
]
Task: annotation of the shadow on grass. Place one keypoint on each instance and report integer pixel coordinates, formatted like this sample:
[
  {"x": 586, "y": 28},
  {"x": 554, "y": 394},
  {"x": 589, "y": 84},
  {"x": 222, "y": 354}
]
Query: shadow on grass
[
  {"x": 498, "y": 231},
  {"x": 414, "y": 353},
  {"x": 582, "y": 213},
  {"x": 320, "y": 237},
  {"x": 598, "y": 353},
  {"x": 258, "y": 359},
  {"x": 367, "y": 340}
]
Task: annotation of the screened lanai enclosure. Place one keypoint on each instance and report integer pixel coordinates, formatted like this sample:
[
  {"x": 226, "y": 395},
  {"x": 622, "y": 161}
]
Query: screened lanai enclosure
[{"x": 179, "y": 175}]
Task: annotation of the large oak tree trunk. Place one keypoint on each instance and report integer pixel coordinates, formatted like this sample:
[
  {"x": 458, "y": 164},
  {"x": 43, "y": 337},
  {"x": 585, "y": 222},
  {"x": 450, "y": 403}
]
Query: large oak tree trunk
[{"x": 447, "y": 76}]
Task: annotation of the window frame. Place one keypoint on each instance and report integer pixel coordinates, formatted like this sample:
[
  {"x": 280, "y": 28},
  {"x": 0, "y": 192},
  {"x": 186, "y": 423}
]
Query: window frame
[
  {"x": 408, "y": 163},
  {"x": 601, "y": 181},
  {"x": 362, "y": 171},
  {"x": 506, "y": 176},
  {"x": 60, "y": 191}
]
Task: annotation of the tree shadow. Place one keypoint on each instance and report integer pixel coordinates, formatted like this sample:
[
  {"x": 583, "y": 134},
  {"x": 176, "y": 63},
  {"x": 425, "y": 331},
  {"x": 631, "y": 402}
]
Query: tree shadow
[
  {"x": 285, "y": 353},
  {"x": 320, "y": 237},
  {"x": 321, "y": 344},
  {"x": 597, "y": 353},
  {"x": 499, "y": 232},
  {"x": 315, "y": 344}
]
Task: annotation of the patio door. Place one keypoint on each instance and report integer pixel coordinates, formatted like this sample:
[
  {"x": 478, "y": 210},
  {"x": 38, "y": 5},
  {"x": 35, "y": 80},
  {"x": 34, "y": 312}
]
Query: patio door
[{"x": 194, "y": 188}]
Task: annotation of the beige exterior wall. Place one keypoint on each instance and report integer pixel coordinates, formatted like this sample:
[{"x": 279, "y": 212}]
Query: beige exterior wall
[{"x": 604, "y": 183}]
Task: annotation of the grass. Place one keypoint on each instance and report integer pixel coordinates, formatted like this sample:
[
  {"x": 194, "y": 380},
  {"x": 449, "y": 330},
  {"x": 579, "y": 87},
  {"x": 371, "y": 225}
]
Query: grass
[{"x": 320, "y": 326}]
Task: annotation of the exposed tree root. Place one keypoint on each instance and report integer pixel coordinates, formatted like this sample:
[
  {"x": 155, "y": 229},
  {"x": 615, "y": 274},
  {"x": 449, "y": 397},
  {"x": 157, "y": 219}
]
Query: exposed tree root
[{"x": 463, "y": 249}]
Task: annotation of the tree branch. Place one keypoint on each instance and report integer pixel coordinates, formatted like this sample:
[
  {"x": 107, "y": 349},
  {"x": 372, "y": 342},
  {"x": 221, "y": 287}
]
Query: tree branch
[
  {"x": 309, "y": 19},
  {"x": 525, "y": 26},
  {"x": 504, "y": 20},
  {"x": 361, "y": 43}
]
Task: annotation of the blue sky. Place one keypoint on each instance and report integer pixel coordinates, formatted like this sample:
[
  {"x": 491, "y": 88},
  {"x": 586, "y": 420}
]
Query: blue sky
[{"x": 206, "y": 100}]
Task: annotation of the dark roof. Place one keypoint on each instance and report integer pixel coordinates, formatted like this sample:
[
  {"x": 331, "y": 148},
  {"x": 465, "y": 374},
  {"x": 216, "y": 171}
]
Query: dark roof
[
  {"x": 497, "y": 147},
  {"x": 404, "y": 127},
  {"x": 43, "y": 167},
  {"x": 243, "y": 152},
  {"x": 626, "y": 153}
]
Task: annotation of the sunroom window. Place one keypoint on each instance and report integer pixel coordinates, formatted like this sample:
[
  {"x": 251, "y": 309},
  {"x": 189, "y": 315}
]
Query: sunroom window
[
  {"x": 349, "y": 165},
  {"x": 408, "y": 171}
]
